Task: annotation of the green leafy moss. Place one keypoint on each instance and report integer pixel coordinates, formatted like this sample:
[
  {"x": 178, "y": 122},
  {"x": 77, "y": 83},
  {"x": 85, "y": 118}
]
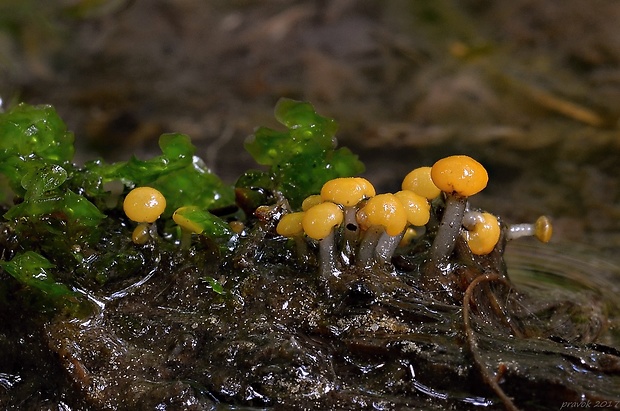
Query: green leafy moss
[
  {"x": 305, "y": 156},
  {"x": 33, "y": 270},
  {"x": 64, "y": 219},
  {"x": 179, "y": 175}
]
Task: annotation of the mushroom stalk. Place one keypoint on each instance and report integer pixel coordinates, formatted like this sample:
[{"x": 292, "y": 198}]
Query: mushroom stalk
[
  {"x": 541, "y": 229},
  {"x": 449, "y": 228},
  {"x": 386, "y": 246},
  {"x": 327, "y": 256},
  {"x": 459, "y": 177},
  {"x": 368, "y": 245}
]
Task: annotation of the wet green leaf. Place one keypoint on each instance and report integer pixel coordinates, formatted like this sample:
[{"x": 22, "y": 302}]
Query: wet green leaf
[
  {"x": 42, "y": 179},
  {"x": 200, "y": 221},
  {"x": 303, "y": 158},
  {"x": 33, "y": 270}
]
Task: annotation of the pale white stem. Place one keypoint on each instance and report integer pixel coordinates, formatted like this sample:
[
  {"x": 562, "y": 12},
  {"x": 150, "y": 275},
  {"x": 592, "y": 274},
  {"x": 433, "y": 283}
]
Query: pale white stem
[
  {"x": 327, "y": 256},
  {"x": 520, "y": 230},
  {"x": 368, "y": 245},
  {"x": 449, "y": 229},
  {"x": 386, "y": 246}
]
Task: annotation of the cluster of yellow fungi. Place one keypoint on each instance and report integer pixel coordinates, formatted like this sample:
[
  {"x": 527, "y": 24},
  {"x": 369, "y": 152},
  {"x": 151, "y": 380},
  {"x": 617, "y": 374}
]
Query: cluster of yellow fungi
[
  {"x": 144, "y": 205},
  {"x": 352, "y": 224}
]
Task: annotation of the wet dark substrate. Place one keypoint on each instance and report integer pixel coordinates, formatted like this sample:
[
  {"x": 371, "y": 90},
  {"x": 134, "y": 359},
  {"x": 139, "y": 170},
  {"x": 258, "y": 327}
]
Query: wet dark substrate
[{"x": 159, "y": 337}]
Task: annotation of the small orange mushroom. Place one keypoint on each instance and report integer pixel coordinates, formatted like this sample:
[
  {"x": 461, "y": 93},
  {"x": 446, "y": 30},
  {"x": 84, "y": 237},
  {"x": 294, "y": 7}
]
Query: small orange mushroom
[
  {"x": 383, "y": 213},
  {"x": 319, "y": 223},
  {"x": 420, "y": 182},
  {"x": 482, "y": 232},
  {"x": 290, "y": 225},
  {"x": 143, "y": 205},
  {"x": 348, "y": 192},
  {"x": 458, "y": 177},
  {"x": 417, "y": 209},
  {"x": 542, "y": 229}
]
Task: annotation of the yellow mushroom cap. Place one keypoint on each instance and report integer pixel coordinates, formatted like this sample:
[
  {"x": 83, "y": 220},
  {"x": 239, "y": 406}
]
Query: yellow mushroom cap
[
  {"x": 311, "y": 201},
  {"x": 417, "y": 207},
  {"x": 420, "y": 182},
  {"x": 290, "y": 224},
  {"x": 483, "y": 237},
  {"x": 347, "y": 191},
  {"x": 543, "y": 229},
  {"x": 144, "y": 204},
  {"x": 384, "y": 210},
  {"x": 461, "y": 175},
  {"x": 179, "y": 217},
  {"x": 318, "y": 221}
]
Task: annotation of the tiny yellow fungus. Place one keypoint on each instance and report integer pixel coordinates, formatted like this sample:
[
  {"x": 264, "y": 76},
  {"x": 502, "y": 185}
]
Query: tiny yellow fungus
[
  {"x": 184, "y": 222},
  {"x": 290, "y": 225},
  {"x": 236, "y": 226},
  {"x": 141, "y": 234},
  {"x": 417, "y": 207},
  {"x": 347, "y": 191},
  {"x": 144, "y": 204},
  {"x": 311, "y": 201},
  {"x": 543, "y": 230},
  {"x": 383, "y": 210},
  {"x": 484, "y": 234},
  {"x": 319, "y": 221},
  {"x": 420, "y": 182},
  {"x": 460, "y": 175}
]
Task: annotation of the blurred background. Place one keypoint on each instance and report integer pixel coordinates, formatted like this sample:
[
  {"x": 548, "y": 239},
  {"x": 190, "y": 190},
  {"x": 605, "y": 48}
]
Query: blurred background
[{"x": 529, "y": 88}]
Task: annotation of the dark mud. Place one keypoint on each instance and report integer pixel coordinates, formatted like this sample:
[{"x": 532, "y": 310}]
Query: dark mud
[{"x": 157, "y": 335}]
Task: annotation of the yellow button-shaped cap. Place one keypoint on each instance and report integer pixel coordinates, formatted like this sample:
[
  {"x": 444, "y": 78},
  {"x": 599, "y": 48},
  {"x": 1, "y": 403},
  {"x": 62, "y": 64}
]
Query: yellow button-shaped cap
[
  {"x": 347, "y": 191},
  {"x": 144, "y": 204},
  {"x": 383, "y": 210},
  {"x": 461, "y": 175},
  {"x": 484, "y": 236},
  {"x": 543, "y": 229},
  {"x": 290, "y": 224},
  {"x": 417, "y": 207},
  {"x": 420, "y": 182},
  {"x": 320, "y": 220}
]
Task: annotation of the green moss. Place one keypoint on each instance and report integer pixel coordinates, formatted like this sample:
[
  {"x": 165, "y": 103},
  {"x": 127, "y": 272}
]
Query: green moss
[
  {"x": 62, "y": 219},
  {"x": 302, "y": 158}
]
